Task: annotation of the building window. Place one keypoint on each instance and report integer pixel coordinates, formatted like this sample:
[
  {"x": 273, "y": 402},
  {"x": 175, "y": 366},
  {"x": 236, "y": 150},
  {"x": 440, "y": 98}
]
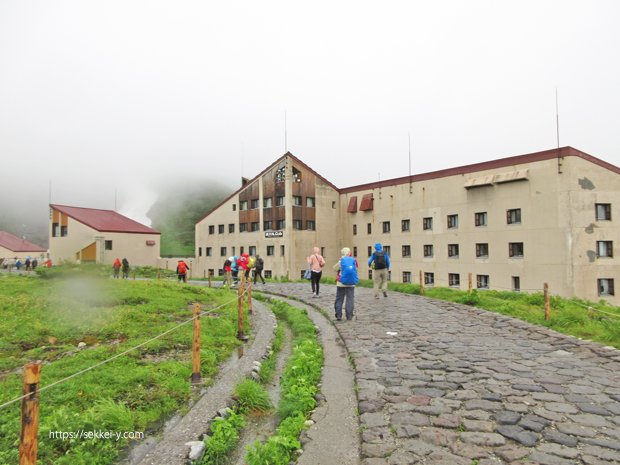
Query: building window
[
  {"x": 310, "y": 225},
  {"x": 369, "y": 251},
  {"x": 323, "y": 252},
  {"x": 211, "y": 229},
  {"x": 355, "y": 251},
  {"x": 604, "y": 249},
  {"x": 453, "y": 221},
  {"x": 482, "y": 281},
  {"x": 108, "y": 245},
  {"x": 221, "y": 272},
  {"x": 515, "y": 249},
  {"x": 369, "y": 228},
  {"x": 220, "y": 229},
  {"x": 605, "y": 286},
  {"x": 310, "y": 202},
  {"x": 255, "y": 226},
  {"x": 55, "y": 230},
  {"x": 428, "y": 250},
  {"x": 405, "y": 225},
  {"x": 267, "y": 202},
  {"x": 200, "y": 251},
  {"x": 252, "y": 250},
  {"x": 64, "y": 231},
  {"x": 386, "y": 227},
  {"x": 355, "y": 230},
  {"x": 513, "y": 216},
  {"x": 406, "y": 276},
  {"x": 267, "y": 225},
  {"x": 282, "y": 251},
  {"x": 429, "y": 279},
  {"x": 333, "y": 204},
  {"x": 516, "y": 283},
  {"x": 454, "y": 280},
  {"x": 241, "y": 249},
  {"x": 223, "y": 252},
  {"x": 231, "y": 228},
  {"x": 297, "y": 200},
  {"x": 296, "y": 175},
  {"x": 267, "y": 274},
  {"x": 406, "y": 251},
  {"x": 603, "y": 211},
  {"x": 234, "y": 207},
  {"x": 296, "y": 224},
  {"x": 233, "y": 250},
  {"x": 480, "y": 218},
  {"x": 279, "y": 201},
  {"x": 280, "y": 224},
  {"x": 209, "y": 251},
  {"x": 271, "y": 250},
  {"x": 243, "y": 205},
  {"x": 387, "y": 249},
  {"x": 453, "y": 250},
  {"x": 243, "y": 227},
  {"x": 254, "y": 204},
  {"x": 427, "y": 223},
  {"x": 482, "y": 250}
]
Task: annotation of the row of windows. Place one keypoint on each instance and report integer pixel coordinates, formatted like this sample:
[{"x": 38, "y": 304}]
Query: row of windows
[
  {"x": 267, "y": 226},
  {"x": 515, "y": 250},
  {"x": 605, "y": 286},
  {"x": 513, "y": 216},
  {"x": 268, "y": 202}
]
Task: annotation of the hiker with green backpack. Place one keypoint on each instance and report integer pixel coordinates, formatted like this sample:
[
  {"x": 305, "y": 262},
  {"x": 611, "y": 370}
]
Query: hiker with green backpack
[{"x": 345, "y": 284}]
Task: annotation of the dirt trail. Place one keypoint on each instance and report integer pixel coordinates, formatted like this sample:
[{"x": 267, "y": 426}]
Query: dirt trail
[{"x": 262, "y": 427}]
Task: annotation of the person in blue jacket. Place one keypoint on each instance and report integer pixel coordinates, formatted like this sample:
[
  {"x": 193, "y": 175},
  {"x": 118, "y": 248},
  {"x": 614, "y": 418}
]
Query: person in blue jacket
[{"x": 379, "y": 261}]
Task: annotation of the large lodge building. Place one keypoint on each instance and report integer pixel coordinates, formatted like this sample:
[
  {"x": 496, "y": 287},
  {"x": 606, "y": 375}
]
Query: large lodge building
[{"x": 514, "y": 223}]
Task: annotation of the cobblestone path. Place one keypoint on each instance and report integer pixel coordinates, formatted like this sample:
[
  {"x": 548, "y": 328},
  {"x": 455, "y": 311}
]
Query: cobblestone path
[{"x": 443, "y": 383}]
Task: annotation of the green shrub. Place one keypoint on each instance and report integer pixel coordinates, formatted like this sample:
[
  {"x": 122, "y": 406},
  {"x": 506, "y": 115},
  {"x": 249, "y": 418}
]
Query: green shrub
[{"x": 251, "y": 396}]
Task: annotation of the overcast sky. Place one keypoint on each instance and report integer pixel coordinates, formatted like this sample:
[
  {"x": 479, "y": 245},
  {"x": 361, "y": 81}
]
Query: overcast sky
[{"x": 98, "y": 96}]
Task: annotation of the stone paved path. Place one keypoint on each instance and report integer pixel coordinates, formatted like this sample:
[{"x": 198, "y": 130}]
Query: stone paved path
[{"x": 443, "y": 383}]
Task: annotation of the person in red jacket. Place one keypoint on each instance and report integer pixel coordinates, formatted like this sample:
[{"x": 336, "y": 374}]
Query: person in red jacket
[
  {"x": 116, "y": 266},
  {"x": 244, "y": 265},
  {"x": 182, "y": 270}
]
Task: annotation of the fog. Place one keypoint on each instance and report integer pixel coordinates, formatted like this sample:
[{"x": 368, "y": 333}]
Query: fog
[{"x": 110, "y": 101}]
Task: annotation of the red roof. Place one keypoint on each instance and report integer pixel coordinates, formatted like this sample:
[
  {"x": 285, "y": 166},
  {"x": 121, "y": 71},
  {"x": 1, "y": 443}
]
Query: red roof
[
  {"x": 104, "y": 220},
  {"x": 17, "y": 244}
]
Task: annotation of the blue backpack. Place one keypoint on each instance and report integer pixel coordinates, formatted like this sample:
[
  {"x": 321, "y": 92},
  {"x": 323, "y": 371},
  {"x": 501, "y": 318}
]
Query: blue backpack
[{"x": 348, "y": 271}]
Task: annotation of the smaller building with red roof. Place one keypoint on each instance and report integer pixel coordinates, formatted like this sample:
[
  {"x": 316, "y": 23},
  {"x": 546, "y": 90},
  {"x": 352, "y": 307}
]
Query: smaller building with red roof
[
  {"x": 12, "y": 247},
  {"x": 100, "y": 236}
]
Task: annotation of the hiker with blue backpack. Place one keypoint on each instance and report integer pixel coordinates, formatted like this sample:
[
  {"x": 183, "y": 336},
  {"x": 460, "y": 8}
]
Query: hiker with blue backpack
[
  {"x": 379, "y": 261},
  {"x": 345, "y": 284}
]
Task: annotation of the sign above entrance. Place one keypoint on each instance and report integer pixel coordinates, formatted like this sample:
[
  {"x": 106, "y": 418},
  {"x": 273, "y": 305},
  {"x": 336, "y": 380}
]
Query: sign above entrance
[{"x": 274, "y": 233}]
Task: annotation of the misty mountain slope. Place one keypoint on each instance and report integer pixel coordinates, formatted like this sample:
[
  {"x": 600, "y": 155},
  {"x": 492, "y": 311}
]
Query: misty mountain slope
[{"x": 177, "y": 210}]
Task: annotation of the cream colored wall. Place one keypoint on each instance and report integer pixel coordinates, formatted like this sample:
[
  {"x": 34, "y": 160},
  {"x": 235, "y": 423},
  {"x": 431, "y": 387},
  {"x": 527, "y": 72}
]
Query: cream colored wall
[
  {"x": 6, "y": 253},
  {"x": 124, "y": 245},
  {"x": 587, "y": 184}
]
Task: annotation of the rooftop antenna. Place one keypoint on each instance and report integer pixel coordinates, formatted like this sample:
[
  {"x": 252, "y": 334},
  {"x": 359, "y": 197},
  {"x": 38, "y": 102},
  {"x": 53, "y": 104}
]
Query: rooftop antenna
[
  {"x": 410, "y": 187},
  {"x": 115, "y": 198},
  {"x": 285, "y": 135},
  {"x": 50, "y": 192},
  {"x": 557, "y": 130}
]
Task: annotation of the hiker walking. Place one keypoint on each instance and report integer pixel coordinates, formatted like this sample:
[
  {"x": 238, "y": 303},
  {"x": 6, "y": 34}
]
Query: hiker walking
[
  {"x": 258, "y": 269},
  {"x": 345, "y": 284},
  {"x": 125, "y": 268},
  {"x": 379, "y": 261},
  {"x": 116, "y": 267},
  {"x": 315, "y": 262},
  {"x": 182, "y": 270}
]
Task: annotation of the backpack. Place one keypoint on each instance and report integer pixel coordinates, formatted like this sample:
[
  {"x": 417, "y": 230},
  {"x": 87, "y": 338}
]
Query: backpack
[
  {"x": 226, "y": 264},
  {"x": 182, "y": 268},
  {"x": 380, "y": 260},
  {"x": 348, "y": 271},
  {"x": 251, "y": 262},
  {"x": 259, "y": 263}
]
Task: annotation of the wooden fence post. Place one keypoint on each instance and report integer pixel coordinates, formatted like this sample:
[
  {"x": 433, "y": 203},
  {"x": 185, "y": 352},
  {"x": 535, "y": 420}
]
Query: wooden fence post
[
  {"x": 240, "y": 334},
  {"x": 196, "y": 345},
  {"x": 469, "y": 284},
  {"x": 210, "y": 279},
  {"x": 546, "y": 292},
  {"x": 421, "y": 284},
  {"x": 28, "y": 441},
  {"x": 249, "y": 297}
]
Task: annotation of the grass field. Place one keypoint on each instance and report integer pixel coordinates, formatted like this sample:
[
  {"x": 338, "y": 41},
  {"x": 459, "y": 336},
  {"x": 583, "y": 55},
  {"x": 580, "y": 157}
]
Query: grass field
[{"x": 45, "y": 319}]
